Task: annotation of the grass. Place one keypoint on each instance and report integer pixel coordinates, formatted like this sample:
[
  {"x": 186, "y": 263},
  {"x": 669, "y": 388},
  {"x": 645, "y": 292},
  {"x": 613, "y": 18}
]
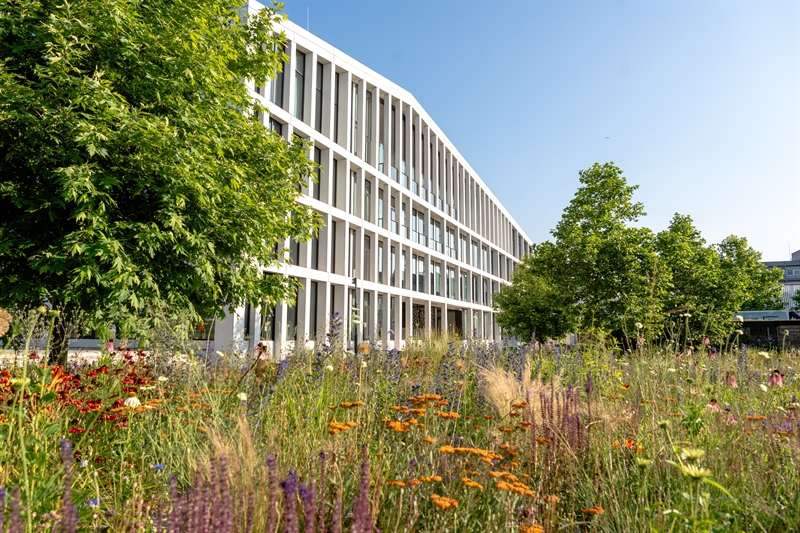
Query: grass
[{"x": 459, "y": 436}]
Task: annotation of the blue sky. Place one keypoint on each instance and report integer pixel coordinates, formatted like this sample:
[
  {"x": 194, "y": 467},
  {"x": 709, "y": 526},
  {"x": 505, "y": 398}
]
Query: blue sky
[{"x": 698, "y": 102}]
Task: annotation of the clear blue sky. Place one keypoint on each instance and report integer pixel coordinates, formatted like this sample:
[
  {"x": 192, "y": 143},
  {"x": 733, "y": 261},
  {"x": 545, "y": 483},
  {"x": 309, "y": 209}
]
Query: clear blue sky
[{"x": 697, "y": 101}]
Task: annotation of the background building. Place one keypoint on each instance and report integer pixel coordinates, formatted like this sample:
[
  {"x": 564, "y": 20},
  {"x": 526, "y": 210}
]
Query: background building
[
  {"x": 413, "y": 241},
  {"x": 791, "y": 277}
]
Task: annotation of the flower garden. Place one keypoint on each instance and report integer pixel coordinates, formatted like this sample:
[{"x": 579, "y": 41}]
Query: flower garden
[{"x": 443, "y": 436}]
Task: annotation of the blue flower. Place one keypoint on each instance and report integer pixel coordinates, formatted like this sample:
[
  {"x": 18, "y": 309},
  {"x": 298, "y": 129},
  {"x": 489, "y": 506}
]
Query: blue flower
[
  {"x": 158, "y": 466},
  {"x": 94, "y": 502}
]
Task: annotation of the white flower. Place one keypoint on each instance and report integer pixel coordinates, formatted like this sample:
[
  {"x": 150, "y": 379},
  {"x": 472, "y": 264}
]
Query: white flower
[
  {"x": 639, "y": 325},
  {"x": 671, "y": 370},
  {"x": 220, "y": 354},
  {"x": 84, "y": 463},
  {"x": 329, "y": 368},
  {"x": 738, "y": 318},
  {"x": 687, "y": 315},
  {"x": 363, "y": 364},
  {"x": 162, "y": 379},
  {"x": 765, "y": 355},
  {"x": 739, "y": 332},
  {"x": 132, "y": 402},
  {"x": 149, "y": 387},
  {"x": 242, "y": 397},
  {"x": 763, "y": 387}
]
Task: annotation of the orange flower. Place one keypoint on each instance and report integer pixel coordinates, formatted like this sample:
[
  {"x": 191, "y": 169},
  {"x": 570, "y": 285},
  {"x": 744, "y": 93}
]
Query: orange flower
[
  {"x": 533, "y": 528},
  {"x": 616, "y": 445},
  {"x": 472, "y": 484},
  {"x": 442, "y": 414},
  {"x": 348, "y": 405},
  {"x": 629, "y": 444},
  {"x": 443, "y": 503},
  {"x": 430, "y": 479},
  {"x": 596, "y": 509},
  {"x": 396, "y": 483},
  {"x": 428, "y": 439},
  {"x": 551, "y": 499},
  {"x": 541, "y": 440}
]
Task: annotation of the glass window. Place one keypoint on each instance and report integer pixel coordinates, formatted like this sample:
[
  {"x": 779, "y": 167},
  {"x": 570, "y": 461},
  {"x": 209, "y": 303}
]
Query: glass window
[
  {"x": 354, "y": 118},
  {"x": 393, "y": 215},
  {"x": 367, "y": 256},
  {"x": 380, "y": 207},
  {"x": 353, "y": 256},
  {"x": 368, "y": 200},
  {"x": 392, "y": 265},
  {"x": 318, "y": 103},
  {"x": 336, "y": 107},
  {"x": 315, "y": 182},
  {"x": 403, "y": 270},
  {"x": 380, "y": 261},
  {"x": 354, "y": 194},
  {"x": 299, "y": 80},
  {"x": 368, "y": 130}
]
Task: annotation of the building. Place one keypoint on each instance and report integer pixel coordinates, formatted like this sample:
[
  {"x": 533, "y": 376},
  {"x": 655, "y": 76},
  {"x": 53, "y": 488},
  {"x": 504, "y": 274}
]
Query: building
[
  {"x": 791, "y": 278},
  {"x": 413, "y": 240}
]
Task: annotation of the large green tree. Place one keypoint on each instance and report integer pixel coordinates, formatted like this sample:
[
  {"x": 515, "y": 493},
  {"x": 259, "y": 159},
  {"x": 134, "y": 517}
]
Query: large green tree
[
  {"x": 133, "y": 167},
  {"x": 603, "y": 272}
]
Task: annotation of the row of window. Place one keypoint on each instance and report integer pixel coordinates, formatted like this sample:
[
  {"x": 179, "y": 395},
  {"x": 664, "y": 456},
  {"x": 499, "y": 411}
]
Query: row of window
[{"x": 480, "y": 213}]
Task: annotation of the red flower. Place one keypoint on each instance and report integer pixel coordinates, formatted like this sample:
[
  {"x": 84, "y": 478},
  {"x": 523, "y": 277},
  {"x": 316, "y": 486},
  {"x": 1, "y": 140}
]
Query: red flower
[{"x": 77, "y": 431}]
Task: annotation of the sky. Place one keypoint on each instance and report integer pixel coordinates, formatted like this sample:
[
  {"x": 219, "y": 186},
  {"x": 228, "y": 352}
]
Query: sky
[{"x": 698, "y": 102}]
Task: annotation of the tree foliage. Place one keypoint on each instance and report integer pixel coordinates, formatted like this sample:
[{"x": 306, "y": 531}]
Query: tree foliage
[
  {"x": 134, "y": 170},
  {"x": 603, "y": 272}
]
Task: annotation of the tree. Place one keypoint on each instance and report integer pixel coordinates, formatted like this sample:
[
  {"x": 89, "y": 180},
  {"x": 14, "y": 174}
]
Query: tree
[
  {"x": 601, "y": 272},
  {"x": 134, "y": 169},
  {"x": 597, "y": 274},
  {"x": 602, "y": 264},
  {"x": 711, "y": 283},
  {"x": 533, "y": 306}
]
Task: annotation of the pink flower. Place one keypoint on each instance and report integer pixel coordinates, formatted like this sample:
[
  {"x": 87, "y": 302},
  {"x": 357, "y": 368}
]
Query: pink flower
[
  {"x": 713, "y": 405},
  {"x": 730, "y": 380},
  {"x": 775, "y": 379},
  {"x": 706, "y": 340},
  {"x": 730, "y": 420}
]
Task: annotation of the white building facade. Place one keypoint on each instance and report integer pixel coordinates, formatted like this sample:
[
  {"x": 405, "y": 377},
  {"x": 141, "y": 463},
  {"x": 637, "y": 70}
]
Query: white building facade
[{"x": 412, "y": 242}]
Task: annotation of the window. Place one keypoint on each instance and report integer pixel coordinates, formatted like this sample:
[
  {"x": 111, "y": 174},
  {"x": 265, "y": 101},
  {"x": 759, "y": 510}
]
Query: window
[
  {"x": 354, "y": 194},
  {"x": 485, "y": 259},
  {"x": 275, "y": 90},
  {"x": 367, "y": 274},
  {"x": 354, "y": 119},
  {"x": 291, "y": 318},
  {"x": 314, "y": 252},
  {"x": 462, "y": 249},
  {"x": 274, "y": 125},
  {"x": 335, "y": 184},
  {"x": 333, "y": 246},
  {"x": 436, "y": 235},
  {"x": 393, "y": 215},
  {"x": 318, "y": 103},
  {"x": 380, "y": 316},
  {"x": 368, "y": 200},
  {"x": 485, "y": 292},
  {"x": 353, "y": 257},
  {"x": 380, "y": 207},
  {"x": 315, "y": 182},
  {"x": 312, "y": 303},
  {"x": 475, "y": 257},
  {"x": 368, "y": 130},
  {"x": 403, "y": 223},
  {"x": 380, "y": 261},
  {"x": 381, "y": 137},
  {"x": 392, "y": 266},
  {"x": 294, "y": 252},
  {"x": 418, "y": 227},
  {"x": 417, "y": 267},
  {"x": 464, "y": 287},
  {"x": 392, "y": 122},
  {"x": 475, "y": 290},
  {"x": 436, "y": 278},
  {"x": 336, "y": 108},
  {"x": 450, "y": 283},
  {"x": 403, "y": 270},
  {"x": 299, "y": 80},
  {"x": 450, "y": 243}
]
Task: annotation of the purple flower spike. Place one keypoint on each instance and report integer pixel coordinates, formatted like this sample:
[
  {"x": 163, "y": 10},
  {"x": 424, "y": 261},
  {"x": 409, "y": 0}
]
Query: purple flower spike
[
  {"x": 290, "y": 522},
  {"x": 362, "y": 514}
]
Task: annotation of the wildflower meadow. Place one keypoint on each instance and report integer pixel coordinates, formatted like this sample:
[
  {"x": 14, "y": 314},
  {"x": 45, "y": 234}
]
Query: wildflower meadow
[{"x": 446, "y": 435}]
